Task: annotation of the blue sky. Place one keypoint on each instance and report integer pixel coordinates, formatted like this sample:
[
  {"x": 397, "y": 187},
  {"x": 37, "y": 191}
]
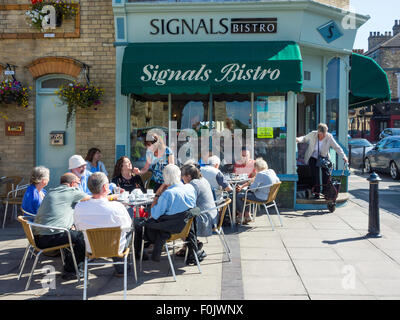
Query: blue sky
[{"x": 382, "y": 12}]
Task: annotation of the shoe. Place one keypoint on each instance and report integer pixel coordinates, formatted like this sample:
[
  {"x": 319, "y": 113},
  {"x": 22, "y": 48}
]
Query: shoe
[
  {"x": 120, "y": 273},
  {"x": 246, "y": 220},
  {"x": 67, "y": 275},
  {"x": 199, "y": 245},
  {"x": 316, "y": 196},
  {"x": 200, "y": 255}
]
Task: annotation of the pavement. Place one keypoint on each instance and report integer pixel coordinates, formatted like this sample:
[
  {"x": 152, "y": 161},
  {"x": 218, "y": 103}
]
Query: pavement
[{"x": 315, "y": 255}]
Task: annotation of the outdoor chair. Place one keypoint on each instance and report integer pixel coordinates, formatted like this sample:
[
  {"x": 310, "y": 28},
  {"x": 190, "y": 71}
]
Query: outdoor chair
[
  {"x": 270, "y": 202},
  {"x": 104, "y": 243},
  {"x": 218, "y": 228},
  {"x": 170, "y": 244},
  {"x": 13, "y": 199},
  {"x": 27, "y": 226}
]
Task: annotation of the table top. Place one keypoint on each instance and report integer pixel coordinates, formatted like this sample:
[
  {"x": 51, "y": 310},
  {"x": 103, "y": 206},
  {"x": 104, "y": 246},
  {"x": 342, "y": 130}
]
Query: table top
[
  {"x": 237, "y": 179},
  {"x": 137, "y": 202}
]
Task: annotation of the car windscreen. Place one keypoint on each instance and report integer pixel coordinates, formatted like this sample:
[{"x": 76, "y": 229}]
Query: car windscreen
[{"x": 360, "y": 143}]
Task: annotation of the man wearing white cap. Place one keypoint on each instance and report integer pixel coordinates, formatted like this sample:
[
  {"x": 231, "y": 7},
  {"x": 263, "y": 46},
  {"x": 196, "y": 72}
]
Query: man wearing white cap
[{"x": 77, "y": 165}]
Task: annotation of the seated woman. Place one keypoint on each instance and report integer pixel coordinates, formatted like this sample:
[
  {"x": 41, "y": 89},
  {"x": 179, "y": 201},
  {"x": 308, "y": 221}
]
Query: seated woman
[
  {"x": 124, "y": 178},
  {"x": 93, "y": 161},
  {"x": 205, "y": 200},
  {"x": 35, "y": 193},
  {"x": 264, "y": 177}
]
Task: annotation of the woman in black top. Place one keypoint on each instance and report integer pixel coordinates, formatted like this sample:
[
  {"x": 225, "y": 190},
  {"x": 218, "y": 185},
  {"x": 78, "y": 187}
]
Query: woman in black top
[{"x": 123, "y": 176}]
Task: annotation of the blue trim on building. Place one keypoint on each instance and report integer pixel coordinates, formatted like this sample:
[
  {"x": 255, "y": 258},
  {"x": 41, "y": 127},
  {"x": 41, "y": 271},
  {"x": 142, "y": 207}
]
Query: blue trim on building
[{"x": 120, "y": 28}]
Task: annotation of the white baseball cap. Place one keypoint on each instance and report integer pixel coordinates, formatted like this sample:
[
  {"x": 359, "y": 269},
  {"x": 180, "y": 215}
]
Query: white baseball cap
[{"x": 76, "y": 161}]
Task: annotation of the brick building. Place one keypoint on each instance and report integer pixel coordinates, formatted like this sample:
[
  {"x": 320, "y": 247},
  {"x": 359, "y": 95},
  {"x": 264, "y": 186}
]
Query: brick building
[
  {"x": 384, "y": 48},
  {"x": 86, "y": 40}
]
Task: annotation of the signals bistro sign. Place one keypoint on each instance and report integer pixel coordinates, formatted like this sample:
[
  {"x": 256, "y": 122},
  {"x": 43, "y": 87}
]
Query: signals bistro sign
[
  {"x": 230, "y": 72},
  {"x": 181, "y": 26}
]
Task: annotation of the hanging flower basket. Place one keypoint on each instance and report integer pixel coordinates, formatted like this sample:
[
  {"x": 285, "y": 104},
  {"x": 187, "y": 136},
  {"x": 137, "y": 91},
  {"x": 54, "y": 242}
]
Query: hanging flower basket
[
  {"x": 65, "y": 9},
  {"x": 78, "y": 95},
  {"x": 14, "y": 92}
]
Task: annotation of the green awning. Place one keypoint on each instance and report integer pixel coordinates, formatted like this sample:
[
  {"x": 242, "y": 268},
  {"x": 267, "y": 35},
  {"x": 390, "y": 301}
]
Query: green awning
[
  {"x": 368, "y": 82},
  {"x": 211, "y": 67}
]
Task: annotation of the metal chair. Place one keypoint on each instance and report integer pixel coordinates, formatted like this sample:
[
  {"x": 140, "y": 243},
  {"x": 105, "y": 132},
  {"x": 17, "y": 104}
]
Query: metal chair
[
  {"x": 104, "y": 243},
  {"x": 14, "y": 199},
  {"x": 170, "y": 244},
  {"x": 27, "y": 226},
  {"x": 218, "y": 228},
  {"x": 270, "y": 202}
]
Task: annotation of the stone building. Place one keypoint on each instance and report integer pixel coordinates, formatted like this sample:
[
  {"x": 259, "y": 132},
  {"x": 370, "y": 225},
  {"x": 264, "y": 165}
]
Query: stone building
[{"x": 384, "y": 48}]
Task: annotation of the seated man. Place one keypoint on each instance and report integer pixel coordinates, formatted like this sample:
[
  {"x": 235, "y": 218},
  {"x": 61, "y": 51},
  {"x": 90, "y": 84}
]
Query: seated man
[
  {"x": 77, "y": 165},
  {"x": 57, "y": 210},
  {"x": 168, "y": 214},
  {"x": 245, "y": 165},
  {"x": 99, "y": 212},
  {"x": 215, "y": 177},
  {"x": 264, "y": 177}
]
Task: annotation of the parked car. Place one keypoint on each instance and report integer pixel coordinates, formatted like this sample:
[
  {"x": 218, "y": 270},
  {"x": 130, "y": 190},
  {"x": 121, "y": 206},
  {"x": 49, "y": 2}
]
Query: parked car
[
  {"x": 357, "y": 148},
  {"x": 385, "y": 157},
  {"x": 389, "y": 132}
]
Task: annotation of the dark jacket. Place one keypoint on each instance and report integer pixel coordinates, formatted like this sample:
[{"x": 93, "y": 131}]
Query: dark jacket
[{"x": 158, "y": 231}]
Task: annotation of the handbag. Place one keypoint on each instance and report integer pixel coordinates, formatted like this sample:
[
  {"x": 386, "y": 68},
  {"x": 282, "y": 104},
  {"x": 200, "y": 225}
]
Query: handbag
[{"x": 323, "y": 162}]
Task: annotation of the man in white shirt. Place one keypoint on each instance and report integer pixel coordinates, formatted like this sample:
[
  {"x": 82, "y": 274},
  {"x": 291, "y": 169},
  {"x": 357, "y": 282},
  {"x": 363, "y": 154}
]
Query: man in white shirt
[
  {"x": 215, "y": 177},
  {"x": 99, "y": 212}
]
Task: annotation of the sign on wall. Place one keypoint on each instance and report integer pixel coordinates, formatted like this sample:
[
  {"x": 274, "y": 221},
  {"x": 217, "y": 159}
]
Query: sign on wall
[
  {"x": 195, "y": 26},
  {"x": 15, "y": 128}
]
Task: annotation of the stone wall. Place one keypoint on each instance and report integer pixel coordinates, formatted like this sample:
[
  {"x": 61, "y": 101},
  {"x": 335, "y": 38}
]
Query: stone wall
[
  {"x": 389, "y": 60},
  {"x": 343, "y": 4},
  {"x": 93, "y": 46}
]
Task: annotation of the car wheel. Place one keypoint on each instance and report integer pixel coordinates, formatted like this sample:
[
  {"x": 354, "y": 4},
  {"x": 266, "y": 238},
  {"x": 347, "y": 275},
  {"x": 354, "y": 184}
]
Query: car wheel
[
  {"x": 367, "y": 165},
  {"x": 394, "y": 172}
]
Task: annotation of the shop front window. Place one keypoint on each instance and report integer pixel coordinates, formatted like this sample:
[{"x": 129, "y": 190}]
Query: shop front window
[
  {"x": 332, "y": 95},
  {"x": 270, "y": 130},
  {"x": 189, "y": 116},
  {"x": 147, "y": 113},
  {"x": 332, "y": 103},
  {"x": 231, "y": 119}
]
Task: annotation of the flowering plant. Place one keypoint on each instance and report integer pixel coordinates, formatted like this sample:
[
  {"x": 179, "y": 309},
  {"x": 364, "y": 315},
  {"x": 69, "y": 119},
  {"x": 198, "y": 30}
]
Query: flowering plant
[
  {"x": 14, "y": 91},
  {"x": 65, "y": 9},
  {"x": 77, "y": 95}
]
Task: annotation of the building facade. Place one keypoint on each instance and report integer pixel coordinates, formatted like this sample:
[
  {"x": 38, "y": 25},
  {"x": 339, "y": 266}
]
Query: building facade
[
  {"x": 277, "y": 68},
  {"x": 384, "y": 48}
]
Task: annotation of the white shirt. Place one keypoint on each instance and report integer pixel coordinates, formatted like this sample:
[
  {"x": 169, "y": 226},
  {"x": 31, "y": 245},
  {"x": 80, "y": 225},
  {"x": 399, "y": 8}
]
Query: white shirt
[
  {"x": 317, "y": 145},
  {"x": 101, "y": 213}
]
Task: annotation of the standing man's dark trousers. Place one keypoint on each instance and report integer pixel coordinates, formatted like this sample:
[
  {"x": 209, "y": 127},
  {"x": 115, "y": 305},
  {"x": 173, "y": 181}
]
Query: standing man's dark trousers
[
  {"x": 315, "y": 176},
  {"x": 58, "y": 239}
]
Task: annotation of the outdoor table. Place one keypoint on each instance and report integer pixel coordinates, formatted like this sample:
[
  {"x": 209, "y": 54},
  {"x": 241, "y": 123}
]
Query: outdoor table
[
  {"x": 234, "y": 180},
  {"x": 137, "y": 203}
]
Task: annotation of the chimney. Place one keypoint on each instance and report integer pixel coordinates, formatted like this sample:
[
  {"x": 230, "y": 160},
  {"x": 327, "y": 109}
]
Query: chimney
[
  {"x": 396, "y": 27},
  {"x": 376, "y": 38}
]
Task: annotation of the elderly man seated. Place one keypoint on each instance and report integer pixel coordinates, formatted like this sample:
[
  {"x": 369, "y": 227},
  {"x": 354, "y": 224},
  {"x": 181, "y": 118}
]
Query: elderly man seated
[
  {"x": 99, "y": 212},
  {"x": 264, "y": 177},
  {"x": 215, "y": 177},
  {"x": 57, "y": 210},
  {"x": 169, "y": 213}
]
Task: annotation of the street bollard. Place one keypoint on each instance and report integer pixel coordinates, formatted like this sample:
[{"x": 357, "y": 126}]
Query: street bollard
[{"x": 373, "y": 214}]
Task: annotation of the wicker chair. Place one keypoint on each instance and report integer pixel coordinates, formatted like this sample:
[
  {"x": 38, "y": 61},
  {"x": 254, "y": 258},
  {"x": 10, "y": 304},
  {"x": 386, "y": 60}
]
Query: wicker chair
[
  {"x": 26, "y": 225},
  {"x": 270, "y": 202},
  {"x": 170, "y": 244},
  {"x": 104, "y": 243}
]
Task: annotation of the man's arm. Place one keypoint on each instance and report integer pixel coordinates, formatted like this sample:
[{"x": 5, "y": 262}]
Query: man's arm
[{"x": 161, "y": 207}]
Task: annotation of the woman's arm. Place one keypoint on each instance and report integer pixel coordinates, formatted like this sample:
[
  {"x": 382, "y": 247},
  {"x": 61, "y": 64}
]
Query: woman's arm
[
  {"x": 337, "y": 148},
  {"x": 144, "y": 169}
]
